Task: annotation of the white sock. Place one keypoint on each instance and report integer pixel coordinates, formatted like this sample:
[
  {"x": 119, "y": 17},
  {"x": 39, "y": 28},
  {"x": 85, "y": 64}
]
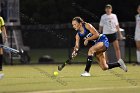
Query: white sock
[{"x": 138, "y": 56}]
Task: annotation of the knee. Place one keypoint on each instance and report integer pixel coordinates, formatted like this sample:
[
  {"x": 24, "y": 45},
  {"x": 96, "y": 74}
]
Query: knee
[
  {"x": 91, "y": 52},
  {"x": 104, "y": 67}
]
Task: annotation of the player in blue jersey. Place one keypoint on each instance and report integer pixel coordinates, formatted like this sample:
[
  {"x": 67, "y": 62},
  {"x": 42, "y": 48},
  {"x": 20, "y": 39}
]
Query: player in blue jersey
[{"x": 98, "y": 42}]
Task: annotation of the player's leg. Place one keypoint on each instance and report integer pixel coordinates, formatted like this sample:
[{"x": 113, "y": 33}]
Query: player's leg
[
  {"x": 138, "y": 51},
  {"x": 1, "y": 52},
  {"x": 91, "y": 52},
  {"x": 118, "y": 55},
  {"x": 88, "y": 65},
  {"x": 101, "y": 60},
  {"x": 117, "y": 49},
  {"x": 103, "y": 63},
  {"x": 1, "y": 57},
  {"x": 109, "y": 65},
  {"x": 100, "y": 55},
  {"x": 111, "y": 38},
  {"x": 99, "y": 49}
]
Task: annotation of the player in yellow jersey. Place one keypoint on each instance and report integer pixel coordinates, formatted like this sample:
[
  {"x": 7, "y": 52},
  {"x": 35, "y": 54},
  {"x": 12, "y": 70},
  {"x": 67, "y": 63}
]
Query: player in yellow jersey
[{"x": 3, "y": 38}]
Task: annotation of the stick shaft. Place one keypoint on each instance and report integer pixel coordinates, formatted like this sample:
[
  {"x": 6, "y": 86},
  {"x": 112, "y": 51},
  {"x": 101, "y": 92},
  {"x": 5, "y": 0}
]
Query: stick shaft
[{"x": 9, "y": 49}]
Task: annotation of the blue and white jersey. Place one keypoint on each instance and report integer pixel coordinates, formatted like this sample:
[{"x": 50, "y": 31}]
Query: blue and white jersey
[{"x": 87, "y": 34}]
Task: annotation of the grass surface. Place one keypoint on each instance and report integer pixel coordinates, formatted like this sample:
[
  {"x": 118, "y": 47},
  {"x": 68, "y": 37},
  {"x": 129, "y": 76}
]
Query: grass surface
[{"x": 40, "y": 79}]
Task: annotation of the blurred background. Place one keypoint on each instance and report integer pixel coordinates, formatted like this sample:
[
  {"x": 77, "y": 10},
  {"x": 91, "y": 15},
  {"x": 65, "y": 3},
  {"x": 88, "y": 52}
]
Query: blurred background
[{"x": 43, "y": 27}]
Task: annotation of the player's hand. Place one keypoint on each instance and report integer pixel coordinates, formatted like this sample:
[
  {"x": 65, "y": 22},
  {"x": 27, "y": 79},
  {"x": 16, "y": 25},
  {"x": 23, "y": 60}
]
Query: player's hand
[
  {"x": 86, "y": 42},
  {"x": 74, "y": 53},
  {"x": 121, "y": 37}
]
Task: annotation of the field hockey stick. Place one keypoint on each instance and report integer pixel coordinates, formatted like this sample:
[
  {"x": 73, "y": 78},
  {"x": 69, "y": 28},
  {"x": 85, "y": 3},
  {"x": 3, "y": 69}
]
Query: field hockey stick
[
  {"x": 69, "y": 60},
  {"x": 64, "y": 64},
  {"x": 9, "y": 49}
]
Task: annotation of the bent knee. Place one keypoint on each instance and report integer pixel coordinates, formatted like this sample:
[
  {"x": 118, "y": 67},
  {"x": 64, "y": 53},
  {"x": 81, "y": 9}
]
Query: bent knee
[
  {"x": 104, "y": 67},
  {"x": 91, "y": 51}
]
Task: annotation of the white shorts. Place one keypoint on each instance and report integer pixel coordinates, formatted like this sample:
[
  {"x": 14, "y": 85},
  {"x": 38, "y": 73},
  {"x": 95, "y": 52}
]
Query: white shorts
[{"x": 137, "y": 35}]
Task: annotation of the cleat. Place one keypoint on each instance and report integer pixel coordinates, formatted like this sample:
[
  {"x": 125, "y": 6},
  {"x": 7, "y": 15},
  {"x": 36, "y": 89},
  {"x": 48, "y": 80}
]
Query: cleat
[
  {"x": 85, "y": 74},
  {"x": 122, "y": 65}
]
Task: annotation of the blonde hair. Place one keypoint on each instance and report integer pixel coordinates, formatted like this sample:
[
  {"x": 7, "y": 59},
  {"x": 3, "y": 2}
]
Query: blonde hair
[{"x": 78, "y": 19}]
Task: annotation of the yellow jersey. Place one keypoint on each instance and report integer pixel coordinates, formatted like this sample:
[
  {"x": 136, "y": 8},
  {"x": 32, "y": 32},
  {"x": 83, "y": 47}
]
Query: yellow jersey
[{"x": 1, "y": 23}]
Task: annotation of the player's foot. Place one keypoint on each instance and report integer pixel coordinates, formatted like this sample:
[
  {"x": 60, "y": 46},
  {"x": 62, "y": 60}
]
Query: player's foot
[
  {"x": 86, "y": 74},
  {"x": 123, "y": 66},
  {"x": 1, "y": 76}
]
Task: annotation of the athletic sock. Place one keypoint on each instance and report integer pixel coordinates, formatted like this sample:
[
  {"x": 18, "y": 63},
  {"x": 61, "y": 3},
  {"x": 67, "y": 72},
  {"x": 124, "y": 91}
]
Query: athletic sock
[
  {"x": 1, "y": 62},
  {"x": 138, "y": 56},
  {"x": 113, "y": 65},
  {"x": 88, "y": 64}
]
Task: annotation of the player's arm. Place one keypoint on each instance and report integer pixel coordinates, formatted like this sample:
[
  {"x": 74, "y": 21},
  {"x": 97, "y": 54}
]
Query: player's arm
[
  {"x": 77, "y": 42},
  {"x": 101, "y": 24},
  {"x": 93, "y": 31},
  {"x": 100, "y": 29},
  {"x": 119, "y": 32},
  {"x": 76, "y": 47},
  {"x": 118, "y": 28}
]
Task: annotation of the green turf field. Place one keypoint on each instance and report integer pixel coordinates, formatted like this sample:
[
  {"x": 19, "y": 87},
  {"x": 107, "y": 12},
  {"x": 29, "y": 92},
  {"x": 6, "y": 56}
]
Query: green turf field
[{"x": 40, "y": 79}]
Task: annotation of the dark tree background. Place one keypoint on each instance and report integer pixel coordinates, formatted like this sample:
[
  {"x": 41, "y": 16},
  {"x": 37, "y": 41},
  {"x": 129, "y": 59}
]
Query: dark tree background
[{"x": 62, "y": 11}]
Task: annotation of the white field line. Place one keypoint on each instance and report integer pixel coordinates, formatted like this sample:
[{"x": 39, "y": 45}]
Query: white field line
[{"x": 82, "y": 89}]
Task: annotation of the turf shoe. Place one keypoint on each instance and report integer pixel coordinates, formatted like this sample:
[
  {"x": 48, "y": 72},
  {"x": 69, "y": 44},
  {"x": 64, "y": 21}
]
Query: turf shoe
[
  {"x": 122, "y": 65},
  {"x": 86, "y": 74}
]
